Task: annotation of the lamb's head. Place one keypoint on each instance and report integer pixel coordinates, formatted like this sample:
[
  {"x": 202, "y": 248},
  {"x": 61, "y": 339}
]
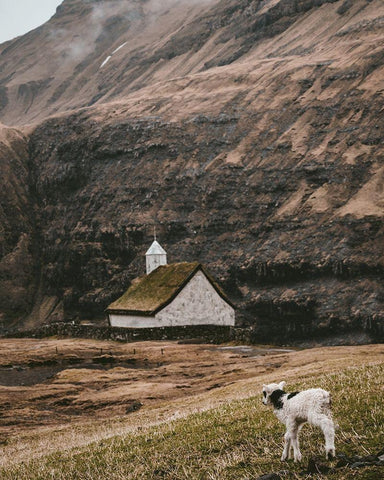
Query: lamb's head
[{"x": 269, "y": 389}]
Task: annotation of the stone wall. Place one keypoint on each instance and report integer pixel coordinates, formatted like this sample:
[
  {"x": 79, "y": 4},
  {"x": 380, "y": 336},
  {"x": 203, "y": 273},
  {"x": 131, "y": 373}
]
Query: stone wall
[
  {"x": 366, "y": 333},
  {"x": 205, "y": 333}
]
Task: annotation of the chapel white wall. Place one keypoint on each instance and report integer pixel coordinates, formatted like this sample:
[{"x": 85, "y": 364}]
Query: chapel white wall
[
  {"x": 197, "y": 304},
  {"x": 154, "y": 261},
  {"x": 132, "y": 321}
]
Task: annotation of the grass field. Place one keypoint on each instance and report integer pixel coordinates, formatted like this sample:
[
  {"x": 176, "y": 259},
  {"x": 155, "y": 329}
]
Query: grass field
[{"x": 241, "y": 439}]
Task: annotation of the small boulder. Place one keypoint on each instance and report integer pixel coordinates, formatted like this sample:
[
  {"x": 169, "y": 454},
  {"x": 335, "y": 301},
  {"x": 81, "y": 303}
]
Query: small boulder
[
  {"x": 269, "y": 476},
  {"x": 133, "y": 406},
  {"x": 314, "y": 466},
  {"x": 358, "y": 465}
]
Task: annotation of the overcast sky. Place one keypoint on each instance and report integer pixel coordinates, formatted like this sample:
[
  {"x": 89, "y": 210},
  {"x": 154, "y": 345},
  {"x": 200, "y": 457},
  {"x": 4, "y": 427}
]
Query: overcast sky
[{"x": 20, "y": 16}]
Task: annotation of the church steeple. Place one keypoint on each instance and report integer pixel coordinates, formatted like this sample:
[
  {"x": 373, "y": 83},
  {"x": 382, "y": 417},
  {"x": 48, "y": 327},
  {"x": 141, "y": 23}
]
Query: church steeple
[{"x": 155, "y": 256}]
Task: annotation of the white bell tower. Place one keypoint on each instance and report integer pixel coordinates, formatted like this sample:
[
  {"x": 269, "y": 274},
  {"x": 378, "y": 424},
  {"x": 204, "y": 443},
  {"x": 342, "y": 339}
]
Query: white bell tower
[{"x": 155, "y": 256}]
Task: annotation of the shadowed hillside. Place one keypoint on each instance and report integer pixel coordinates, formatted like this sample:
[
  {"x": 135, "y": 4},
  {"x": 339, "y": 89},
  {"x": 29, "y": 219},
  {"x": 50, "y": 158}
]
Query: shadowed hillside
[
  {"x": 251, "y": 133},
  {"x": 18, "y": 252}
]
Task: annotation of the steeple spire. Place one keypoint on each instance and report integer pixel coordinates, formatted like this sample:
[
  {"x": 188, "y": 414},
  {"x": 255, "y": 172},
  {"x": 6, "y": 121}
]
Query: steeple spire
[{"x": 156, "y": 255}]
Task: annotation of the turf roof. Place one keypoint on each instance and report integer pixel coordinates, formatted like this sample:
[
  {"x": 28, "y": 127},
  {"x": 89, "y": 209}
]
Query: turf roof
[{"x": 150, "y": 293}]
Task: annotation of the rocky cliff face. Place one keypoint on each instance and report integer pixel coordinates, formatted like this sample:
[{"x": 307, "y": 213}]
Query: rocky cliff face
[
  {"x": 18, "y": 251},
  {"x": 263, "y": 159}
]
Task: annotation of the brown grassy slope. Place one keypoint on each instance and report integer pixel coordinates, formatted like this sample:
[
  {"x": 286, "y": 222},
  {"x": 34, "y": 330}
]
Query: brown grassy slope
[
  {"x": 172, "y": 46},
  {"x": 58, "y": 65},
  {"x": 45, "y": 423}
]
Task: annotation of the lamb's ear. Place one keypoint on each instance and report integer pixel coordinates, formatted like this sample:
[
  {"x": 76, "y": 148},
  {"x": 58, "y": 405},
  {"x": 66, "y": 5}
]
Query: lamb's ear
[{"x": 282, "y": 385}]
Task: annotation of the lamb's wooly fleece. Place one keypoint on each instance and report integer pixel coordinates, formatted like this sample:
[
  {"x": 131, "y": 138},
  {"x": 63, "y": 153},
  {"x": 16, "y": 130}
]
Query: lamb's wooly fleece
[{"x": 295, "y": 409}]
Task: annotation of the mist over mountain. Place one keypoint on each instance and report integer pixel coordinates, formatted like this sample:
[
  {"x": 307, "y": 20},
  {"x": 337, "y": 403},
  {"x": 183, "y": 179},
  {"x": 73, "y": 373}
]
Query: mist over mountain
[{"x": 250, "y": 132}]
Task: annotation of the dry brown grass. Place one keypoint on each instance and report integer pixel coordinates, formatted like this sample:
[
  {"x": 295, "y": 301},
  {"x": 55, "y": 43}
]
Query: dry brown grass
[
  {"x": 240, "y": 378},
  {"x": 239, "y": 439}
]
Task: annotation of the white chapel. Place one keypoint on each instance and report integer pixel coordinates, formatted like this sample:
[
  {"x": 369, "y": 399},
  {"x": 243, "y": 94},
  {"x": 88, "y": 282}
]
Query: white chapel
[{"x": 176, "y": 294}]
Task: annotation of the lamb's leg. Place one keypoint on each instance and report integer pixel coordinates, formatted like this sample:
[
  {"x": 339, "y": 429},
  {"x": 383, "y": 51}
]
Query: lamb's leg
[
  {"x": 287, "y": 445},
  {"x": 295, "y": 442},
  {"x": 329, "y": 435},
  {"x": 291, "y": 442},
  {"x": 327, "y": 426},
  {"x": 290, "y": 453}
]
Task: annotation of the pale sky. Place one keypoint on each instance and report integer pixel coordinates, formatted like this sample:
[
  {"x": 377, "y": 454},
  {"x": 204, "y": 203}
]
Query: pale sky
[{"x": 20, "y": 16}]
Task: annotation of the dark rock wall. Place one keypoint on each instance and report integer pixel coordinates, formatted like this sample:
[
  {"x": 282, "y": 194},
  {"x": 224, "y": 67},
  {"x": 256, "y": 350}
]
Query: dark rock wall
[
  {"x": 102, "y": 187},
  {"x": 268, "y": 170},
  {"x": 19, "y": 253}
]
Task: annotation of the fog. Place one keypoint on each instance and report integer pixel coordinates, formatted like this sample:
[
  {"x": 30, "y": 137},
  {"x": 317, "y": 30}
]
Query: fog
[
  {"x": 18, "y": 17},
  {"x": 134, "y": 11}
]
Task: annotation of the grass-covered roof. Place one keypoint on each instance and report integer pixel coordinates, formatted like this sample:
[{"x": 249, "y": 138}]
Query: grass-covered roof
[{"x": 151, "y": 293}]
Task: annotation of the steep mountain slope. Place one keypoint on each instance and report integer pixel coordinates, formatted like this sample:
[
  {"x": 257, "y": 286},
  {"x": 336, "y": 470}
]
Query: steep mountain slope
[
  {"x": 78, "y": 40},
  {"x": 251, "y": 134},
  {"x": 18, "y": 253},
  {"x": 104, "y": 50}
]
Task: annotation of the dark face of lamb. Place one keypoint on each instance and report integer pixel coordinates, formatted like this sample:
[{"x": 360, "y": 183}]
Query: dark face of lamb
[{"x": 272, "y": 394}]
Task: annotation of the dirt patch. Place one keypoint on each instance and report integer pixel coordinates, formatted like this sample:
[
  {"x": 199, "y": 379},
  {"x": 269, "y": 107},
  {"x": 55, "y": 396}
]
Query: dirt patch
[
  {"x": 56, "y": 381},
  {"x": 32, "y": 375},
  {"x": 49, "y": 382}
]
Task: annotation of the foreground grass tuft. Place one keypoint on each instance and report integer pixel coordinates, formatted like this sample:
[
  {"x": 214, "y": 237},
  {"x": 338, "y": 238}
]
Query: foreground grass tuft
[{"x": 240, "y": 440}]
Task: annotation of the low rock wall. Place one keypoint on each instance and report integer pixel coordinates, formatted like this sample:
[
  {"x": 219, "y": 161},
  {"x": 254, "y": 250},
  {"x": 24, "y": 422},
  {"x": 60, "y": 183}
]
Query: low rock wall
[{"x": 206, "y": 333}]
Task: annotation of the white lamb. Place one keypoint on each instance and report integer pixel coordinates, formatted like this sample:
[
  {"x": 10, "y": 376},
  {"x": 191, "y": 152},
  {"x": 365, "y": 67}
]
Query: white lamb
[{"x": 295, "y": 409}]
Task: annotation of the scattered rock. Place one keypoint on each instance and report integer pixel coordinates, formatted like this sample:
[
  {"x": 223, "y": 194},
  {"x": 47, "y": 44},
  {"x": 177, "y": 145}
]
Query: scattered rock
[
  {"x": 359, "y": 464},
  {"x": 133, "y": 407},
  {"x": 160, "y": 473},
  {"x": 369, "y": 458},
  {"x": 314, "y": 466},
  {"x": 380, "y": 454},
  {"x": 343, "y": 461},
  {"x": 269, "y": 476},
  {"x": 356, "y": 461}
]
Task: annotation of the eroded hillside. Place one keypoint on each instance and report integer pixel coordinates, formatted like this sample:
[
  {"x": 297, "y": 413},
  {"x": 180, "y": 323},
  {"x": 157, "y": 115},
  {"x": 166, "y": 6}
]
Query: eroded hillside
[
  {"x": 252, "y": 135},
  {"x": 18, "y": 252}
]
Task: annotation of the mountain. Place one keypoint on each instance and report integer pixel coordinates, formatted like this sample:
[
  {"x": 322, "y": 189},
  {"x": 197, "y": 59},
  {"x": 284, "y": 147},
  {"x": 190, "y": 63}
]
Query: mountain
[
  {"x": 250, "y": 132},
  {"x": 95, "y": 51},
  {"x": 18, "y": 254}
]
